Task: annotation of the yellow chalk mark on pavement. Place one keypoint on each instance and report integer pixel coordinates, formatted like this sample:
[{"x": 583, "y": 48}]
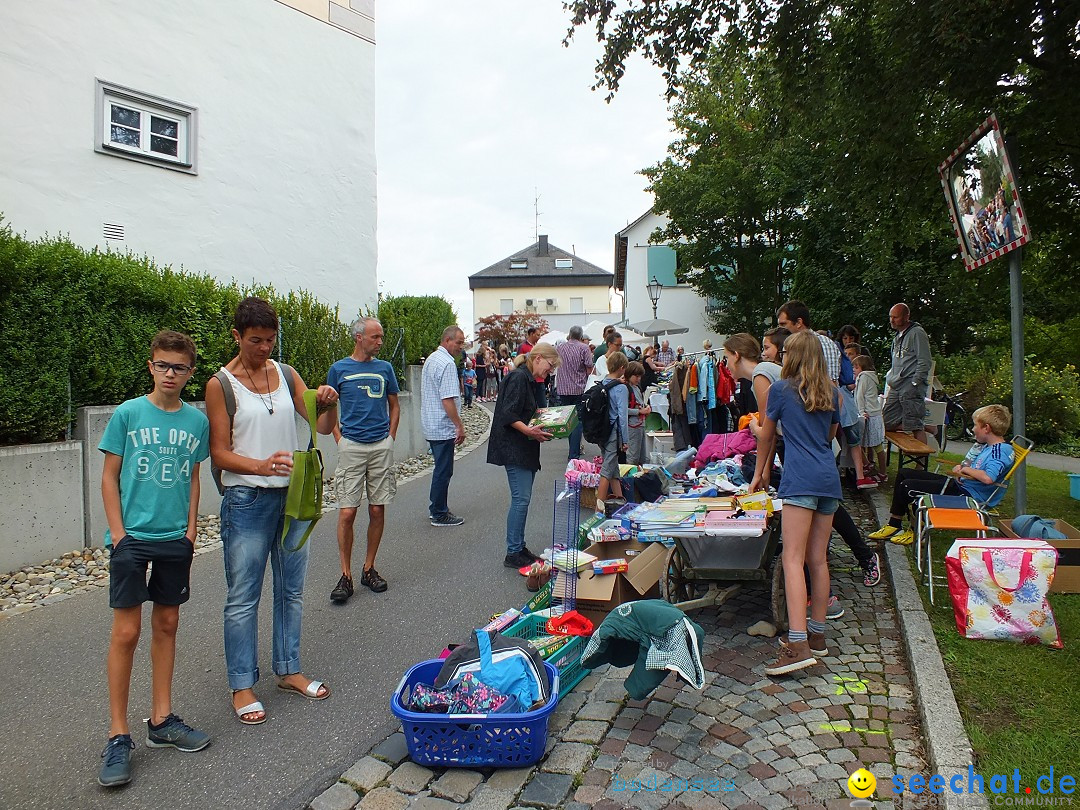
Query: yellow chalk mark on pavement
[
  {"x": 845, "y": 726},
  {"x": 851, "y": 686}
]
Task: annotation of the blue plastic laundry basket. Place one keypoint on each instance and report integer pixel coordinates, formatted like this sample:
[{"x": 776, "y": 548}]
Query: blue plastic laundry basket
[{"x": 472, "y": 740}]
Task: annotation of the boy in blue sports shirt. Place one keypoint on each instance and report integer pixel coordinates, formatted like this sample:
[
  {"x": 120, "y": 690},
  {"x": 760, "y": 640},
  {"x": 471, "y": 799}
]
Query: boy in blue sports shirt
[
  {"x": 150, "y": 487},
  {"x": 976, "y": 476}
]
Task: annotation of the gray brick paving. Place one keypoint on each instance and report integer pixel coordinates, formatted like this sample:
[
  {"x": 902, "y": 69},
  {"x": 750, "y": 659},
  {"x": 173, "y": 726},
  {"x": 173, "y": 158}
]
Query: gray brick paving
[{"x": 776, "y": 743}]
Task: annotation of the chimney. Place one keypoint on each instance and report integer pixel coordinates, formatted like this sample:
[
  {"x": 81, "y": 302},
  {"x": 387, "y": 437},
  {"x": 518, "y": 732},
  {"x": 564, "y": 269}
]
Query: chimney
[{"x": 542, "y": 246}]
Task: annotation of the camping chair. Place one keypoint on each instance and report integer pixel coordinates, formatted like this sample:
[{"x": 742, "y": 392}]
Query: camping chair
[
  {"x": 1022, "y": 447},
  {"x": 957, "y": 520},
  {"x": 961, "y": 512}
]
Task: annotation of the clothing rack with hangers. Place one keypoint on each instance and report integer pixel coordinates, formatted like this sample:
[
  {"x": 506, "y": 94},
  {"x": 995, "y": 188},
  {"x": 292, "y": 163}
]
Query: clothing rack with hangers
[{"x": 697, "y": 354}]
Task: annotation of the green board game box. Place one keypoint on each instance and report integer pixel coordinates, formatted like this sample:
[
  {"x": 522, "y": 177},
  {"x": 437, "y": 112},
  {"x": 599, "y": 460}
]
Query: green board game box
[{"x": 559, "y": 421}]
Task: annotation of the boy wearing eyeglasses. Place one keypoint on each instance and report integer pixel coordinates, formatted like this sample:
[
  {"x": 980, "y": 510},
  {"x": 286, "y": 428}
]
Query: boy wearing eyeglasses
[{"x": 153, "y": 446}]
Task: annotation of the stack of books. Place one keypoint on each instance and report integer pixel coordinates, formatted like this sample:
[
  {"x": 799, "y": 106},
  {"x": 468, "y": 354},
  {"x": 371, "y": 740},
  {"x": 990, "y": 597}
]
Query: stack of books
[{"x": 735, "y": 524}]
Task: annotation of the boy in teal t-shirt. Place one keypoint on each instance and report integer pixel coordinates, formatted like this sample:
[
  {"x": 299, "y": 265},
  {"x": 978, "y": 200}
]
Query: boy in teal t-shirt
[{"x": 150, "y": 485}]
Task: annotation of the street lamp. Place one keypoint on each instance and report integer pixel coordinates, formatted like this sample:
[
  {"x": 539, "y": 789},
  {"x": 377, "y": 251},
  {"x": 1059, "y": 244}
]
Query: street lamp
[{"x": 655, "y": 288}]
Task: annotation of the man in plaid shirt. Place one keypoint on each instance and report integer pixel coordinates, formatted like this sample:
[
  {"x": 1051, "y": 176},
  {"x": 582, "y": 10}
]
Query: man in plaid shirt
[
  {"x": 665, "y": 357},
  {"x": 575, "y": 364}
]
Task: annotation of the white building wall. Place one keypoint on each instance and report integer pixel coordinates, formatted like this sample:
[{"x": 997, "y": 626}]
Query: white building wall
[
  {"x": 487, "y": 300},
  {"x": 681, "y": 304},
  {"x": 286, "y": 185}
]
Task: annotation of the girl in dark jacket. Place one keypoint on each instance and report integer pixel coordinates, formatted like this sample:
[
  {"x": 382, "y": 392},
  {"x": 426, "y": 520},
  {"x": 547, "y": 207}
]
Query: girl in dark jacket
[{"x": 515, "y": 445}]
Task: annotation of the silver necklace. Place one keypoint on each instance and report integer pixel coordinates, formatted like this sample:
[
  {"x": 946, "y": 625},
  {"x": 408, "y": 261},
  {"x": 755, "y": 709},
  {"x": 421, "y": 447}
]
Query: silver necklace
[{"x": 255, "y": 387}]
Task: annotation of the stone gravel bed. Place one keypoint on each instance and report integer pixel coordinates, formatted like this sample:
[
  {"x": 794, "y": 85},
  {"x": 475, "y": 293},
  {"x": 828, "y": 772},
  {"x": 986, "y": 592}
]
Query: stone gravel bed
[{"x": 83, "y": 569}]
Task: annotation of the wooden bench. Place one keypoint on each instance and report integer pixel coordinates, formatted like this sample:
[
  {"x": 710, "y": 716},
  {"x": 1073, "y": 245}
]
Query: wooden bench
[{"x": 909, "y": 450}]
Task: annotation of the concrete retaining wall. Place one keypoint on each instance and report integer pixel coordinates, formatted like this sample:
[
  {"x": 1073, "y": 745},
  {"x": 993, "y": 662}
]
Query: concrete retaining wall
[
  {"x": 52, "y": 492},
  {"x": 41, "y": 511}
]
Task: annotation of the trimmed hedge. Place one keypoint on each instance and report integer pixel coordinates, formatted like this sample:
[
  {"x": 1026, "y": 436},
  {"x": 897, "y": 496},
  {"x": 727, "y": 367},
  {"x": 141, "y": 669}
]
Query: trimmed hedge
[{"x": 76, "y": 325}]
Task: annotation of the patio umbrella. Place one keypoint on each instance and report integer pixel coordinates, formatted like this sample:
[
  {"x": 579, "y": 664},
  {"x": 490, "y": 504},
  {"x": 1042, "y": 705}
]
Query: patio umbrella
[
  {"x": 595, "y": 330},
  {"x": 659, "y": 326},
  {"x": 553, "y": 337}
]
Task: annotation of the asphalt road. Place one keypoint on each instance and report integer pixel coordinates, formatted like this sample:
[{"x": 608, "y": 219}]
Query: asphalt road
[{"x": 443, "y": 582}]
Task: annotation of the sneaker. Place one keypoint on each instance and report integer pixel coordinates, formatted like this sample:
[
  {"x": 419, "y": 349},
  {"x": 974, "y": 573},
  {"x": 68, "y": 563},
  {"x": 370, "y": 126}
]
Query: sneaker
[
  {"x": 116, "y": 769},
  {"x": 834, "y": 610},
  {"x": 866, "y": 483},
  {"x": 533, "y": 557},
  {"x": 371, "y": 578},
  {"x": 174, "y": 732},
  {"x": 519, "y": 559},
  {"x": 816, "y": 642},
  {"x": 881, "y": 478},
  {"x": 904, "y": 538},
  {"x": 872, "y": 571},
  {"x": 884, "y": 533},
  {"x": 342, "y": 591},
  {"x": 792, "y": 657},
  {"x": 449, "y": 519}
]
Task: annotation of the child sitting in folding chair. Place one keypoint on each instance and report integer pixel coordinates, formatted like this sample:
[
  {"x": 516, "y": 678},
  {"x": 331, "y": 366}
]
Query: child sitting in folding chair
[{"x": 978, "y": 478}]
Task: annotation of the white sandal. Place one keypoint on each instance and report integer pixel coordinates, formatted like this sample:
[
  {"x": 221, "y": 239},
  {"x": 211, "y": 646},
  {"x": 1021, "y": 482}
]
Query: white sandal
[
  {"x": 311, "y": 691},
  {"x": 251, "y": 708}
]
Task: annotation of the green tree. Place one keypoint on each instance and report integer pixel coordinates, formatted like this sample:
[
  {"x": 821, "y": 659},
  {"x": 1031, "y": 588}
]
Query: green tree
[
  {"x": 733, "y": 187},
  {"x": 423, "y": 319},
  {"x": 881, "y": 91}
]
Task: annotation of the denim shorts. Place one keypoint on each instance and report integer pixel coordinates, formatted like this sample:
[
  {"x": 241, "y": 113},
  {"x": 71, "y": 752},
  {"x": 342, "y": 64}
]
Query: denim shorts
[{"x": 815, "y": 503}]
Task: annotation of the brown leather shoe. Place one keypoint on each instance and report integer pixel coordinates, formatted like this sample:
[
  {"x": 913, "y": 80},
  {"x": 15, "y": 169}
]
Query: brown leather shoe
[
  {"x": 793, "y": 656},
  {"x": 816, "y": 642}
]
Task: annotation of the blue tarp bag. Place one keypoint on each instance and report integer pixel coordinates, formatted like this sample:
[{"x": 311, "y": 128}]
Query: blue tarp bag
[{"x": 1036, "y": 528}]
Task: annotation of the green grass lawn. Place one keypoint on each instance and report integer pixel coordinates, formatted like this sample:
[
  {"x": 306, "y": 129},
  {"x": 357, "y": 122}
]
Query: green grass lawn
[{"x": 1020, "y": 703}]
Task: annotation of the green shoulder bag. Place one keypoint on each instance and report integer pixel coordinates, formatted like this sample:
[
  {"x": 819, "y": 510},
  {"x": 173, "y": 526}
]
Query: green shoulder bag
[{"x": 305, "y": 497}]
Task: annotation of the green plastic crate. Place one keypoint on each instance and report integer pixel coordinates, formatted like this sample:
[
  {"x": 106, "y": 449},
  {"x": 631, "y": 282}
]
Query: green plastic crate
[{"x": 568, "y": 657}]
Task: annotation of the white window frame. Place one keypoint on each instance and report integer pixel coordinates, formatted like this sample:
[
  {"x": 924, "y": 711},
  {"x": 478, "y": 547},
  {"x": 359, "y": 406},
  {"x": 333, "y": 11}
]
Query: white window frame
[
  {"x": 577, "y": 306},
  {"x": 519, "y": 264},
  {"x": 149, "y": 107},
  {"x": 506, "y": 306},
  {"x": 564, "y": 264}
]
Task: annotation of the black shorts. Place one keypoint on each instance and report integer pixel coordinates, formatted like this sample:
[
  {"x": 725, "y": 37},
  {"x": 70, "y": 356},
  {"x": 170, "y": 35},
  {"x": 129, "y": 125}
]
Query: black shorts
[{"x": 170, "y": 571}]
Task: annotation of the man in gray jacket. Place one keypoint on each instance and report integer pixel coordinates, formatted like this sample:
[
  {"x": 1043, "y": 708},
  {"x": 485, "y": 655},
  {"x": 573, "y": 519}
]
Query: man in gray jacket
[{"x": 905, "y": 406}]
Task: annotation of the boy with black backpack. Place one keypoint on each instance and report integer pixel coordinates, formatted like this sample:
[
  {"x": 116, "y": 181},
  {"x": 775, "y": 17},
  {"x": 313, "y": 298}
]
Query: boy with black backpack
[{"x": 618, "y": 429}]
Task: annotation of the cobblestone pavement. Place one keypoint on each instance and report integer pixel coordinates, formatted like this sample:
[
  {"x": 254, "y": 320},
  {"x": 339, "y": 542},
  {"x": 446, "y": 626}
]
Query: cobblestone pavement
[{"x": 744, "y": 741}]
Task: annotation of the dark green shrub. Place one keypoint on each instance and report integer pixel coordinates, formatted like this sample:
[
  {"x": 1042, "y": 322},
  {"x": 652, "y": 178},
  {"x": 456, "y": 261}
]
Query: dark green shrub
[
  {"x": 75, "y": 327},
  {"x": 1052, "y": 399},
  {"x": 423, "y": 317}
]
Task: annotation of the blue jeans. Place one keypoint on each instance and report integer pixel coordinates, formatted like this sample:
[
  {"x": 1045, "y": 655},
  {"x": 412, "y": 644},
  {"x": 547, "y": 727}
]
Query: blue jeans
[
  {"x": 251, "y": 524},
  {"x": 521, "y": 484},
  {"x": 443, "y": 451},
  {"x": 575, "y": 434}
]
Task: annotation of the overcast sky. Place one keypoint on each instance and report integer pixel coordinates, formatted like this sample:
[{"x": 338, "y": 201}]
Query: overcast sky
[{"x": 480, "y": 109}]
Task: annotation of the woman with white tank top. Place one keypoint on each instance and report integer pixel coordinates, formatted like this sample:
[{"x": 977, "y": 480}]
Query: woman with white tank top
[{"x": 254, "y": 453}]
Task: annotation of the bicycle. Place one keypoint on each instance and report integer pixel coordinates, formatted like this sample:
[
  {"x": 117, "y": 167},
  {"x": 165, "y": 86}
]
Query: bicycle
[{"x": 959, "y": 425}]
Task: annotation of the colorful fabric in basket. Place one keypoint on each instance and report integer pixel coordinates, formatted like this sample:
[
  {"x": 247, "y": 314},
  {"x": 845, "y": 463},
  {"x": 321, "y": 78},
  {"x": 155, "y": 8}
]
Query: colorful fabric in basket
[
  {"x": 466, "y": 695},
  {"x": 1000, "y": 592}
]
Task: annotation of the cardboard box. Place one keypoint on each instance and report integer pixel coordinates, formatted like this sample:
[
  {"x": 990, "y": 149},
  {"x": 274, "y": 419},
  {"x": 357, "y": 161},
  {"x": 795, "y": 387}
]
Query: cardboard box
[
  {"x": 1067, "y": 578},
  {"x": 598, "y": 595},
  {"x": 559, "y": 420}
]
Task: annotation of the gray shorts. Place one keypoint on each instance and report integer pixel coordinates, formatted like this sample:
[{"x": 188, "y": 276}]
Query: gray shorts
[
  {"x": 365, "y": 470},
  {"x": 904, "y": 413},
  {"x": 610, "y": 468}
]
